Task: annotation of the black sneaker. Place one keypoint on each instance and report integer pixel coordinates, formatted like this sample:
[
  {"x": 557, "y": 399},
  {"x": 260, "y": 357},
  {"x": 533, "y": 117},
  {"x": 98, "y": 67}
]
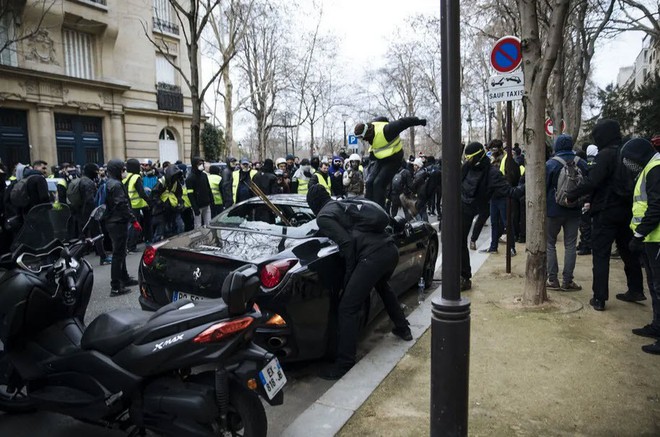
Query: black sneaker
[
  {"x": 647, "y": 331},
  {"x": 119, "y": 291},
  {"x": 584, "y": 252},
  {"x": 597, "y": 304},
  {"x": 489, "y": 250},
  {"x": 403, "y": 333},
  {"x": 129, "y": 282},
  {"x": 630, "y": 296},
  {"x": 466, "y": 284},
  {"x": 652, "y": 348}
]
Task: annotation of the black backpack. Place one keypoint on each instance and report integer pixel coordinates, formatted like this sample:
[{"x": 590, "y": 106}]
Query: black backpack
[
  {"x": 433, "y": 180},
  {"x": 19, "y": 197},
  {"x": 74, "y": 195},
  {"x": 367, "y": 216}
]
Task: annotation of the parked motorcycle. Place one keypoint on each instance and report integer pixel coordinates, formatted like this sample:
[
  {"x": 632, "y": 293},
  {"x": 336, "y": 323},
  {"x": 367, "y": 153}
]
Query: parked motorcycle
[{"x": 129, "y": 370}]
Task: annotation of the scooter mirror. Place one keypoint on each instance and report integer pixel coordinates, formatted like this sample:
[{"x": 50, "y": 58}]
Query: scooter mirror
[
  {"x": 97, "y": 214},
  {"x": 239, "y": 288}
]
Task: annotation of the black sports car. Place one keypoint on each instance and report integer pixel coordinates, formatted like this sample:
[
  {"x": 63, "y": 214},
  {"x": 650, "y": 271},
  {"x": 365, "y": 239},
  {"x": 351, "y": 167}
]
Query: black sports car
[{"x": 301, "y": 272}]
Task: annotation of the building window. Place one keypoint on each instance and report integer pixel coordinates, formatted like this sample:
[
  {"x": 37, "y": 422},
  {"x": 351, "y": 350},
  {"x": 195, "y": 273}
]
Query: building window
[
  {"x": 164, "y": 17},
  {"x": 79, "y": 54},
  {"x": 165, "y": 72},
  {"x": 7, "y": 45}
]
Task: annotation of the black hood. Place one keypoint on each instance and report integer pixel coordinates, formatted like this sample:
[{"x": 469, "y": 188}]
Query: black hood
[
  {"x": 268, "y": 166},
  {"x": 317, "y": 197},
  {"x": 638, "y": 150},
  {"x": 133, "y": 166},
  {"x": 606, "y": 133},
  {"x": 115, "y": 168},
  {"x": 91, "y": 170},
  {"x": 194, "y": 163},
  {"x": 172, "y": 172},
  {"x": 31, "y": 172}
]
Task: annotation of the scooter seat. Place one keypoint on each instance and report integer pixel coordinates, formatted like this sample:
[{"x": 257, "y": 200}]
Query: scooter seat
[{"x": 112, "y": 331}]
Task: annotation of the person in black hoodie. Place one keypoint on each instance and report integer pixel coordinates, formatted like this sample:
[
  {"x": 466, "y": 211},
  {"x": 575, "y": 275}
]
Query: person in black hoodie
[
  {"x": 88, "y": 194},
  {"x": 370, "y": 257},
  {"x": 265, "y": 178},
  {"x": 401, "y": 184},
  {"x": 227, "y": 180},
  {"x": 611, "y": 212},
  {"x": 117, "y": 217},
  {"x": 480, "y": 181},
  {"x": 199, "y": 192}
]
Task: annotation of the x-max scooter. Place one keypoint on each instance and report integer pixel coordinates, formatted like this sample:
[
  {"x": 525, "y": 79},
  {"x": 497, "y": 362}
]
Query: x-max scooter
[{"x": 128, "y": 369}]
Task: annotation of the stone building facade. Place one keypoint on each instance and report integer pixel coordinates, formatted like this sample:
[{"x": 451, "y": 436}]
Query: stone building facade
[{"x": 90, "y": 84}]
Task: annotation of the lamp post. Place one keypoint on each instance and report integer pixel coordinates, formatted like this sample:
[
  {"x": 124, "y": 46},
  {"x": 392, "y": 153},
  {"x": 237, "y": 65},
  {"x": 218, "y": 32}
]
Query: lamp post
[
  {"x": 344, "y": 117},
  {"x": 469, "y": 122}
]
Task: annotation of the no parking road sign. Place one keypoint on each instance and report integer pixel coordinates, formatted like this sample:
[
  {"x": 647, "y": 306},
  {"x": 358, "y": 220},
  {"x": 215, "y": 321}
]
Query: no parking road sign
[{"x": 506, "y": 55}]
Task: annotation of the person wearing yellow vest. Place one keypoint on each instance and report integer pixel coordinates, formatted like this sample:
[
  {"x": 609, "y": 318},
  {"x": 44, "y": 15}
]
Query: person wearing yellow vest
[
  {"x": 322, "y": 177},
  {"x": 640, "y": 157},
  {"x": 239, "y": 188},
  {"x": 301, "y": 177},
  {"x": 385, "y": 152},
  {"x": 140, "y": 203},
  {"x": 199, "y": 193},
  {"x": 168, "y": 199},
  {"x": 215, "y": 182}
]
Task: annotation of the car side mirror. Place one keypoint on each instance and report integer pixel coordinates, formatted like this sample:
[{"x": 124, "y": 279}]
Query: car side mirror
[{"x": 239, "y": 288}]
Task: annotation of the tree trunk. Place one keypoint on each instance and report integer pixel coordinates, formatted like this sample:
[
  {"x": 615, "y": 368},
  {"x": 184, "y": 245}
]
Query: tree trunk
[{"x": 229, "y": 113}]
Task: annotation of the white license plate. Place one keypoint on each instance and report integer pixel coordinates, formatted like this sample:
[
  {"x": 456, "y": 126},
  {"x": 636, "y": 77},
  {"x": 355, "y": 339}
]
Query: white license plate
[
  {"x": 178, "y": 295},
  {"x": 272, "y": 378}
]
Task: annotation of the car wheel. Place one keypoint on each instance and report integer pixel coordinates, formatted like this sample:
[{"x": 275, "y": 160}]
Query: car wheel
[{"x": 429, "y": 263}]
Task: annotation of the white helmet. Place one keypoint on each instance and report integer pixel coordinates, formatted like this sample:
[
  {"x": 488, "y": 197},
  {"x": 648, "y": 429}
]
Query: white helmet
[
  {"x": 280, "y": 161},
  {"x": 354, "y": 157}
]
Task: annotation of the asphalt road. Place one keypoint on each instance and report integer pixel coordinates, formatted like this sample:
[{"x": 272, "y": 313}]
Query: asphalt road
[{"x": 302, "y": 389}]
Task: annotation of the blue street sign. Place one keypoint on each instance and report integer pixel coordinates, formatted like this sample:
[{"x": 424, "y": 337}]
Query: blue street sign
[
  {"x": 352, "y": 140},
  {"x": 506, "y": 55}
]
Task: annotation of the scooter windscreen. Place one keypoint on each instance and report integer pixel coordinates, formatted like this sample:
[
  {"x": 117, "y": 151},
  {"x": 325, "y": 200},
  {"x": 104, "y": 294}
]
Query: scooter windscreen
[{"x": 43, "y": 224}]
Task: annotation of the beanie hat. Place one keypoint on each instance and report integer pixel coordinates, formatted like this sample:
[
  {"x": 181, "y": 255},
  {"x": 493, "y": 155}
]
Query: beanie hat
[
  {"x": 473, "y": 148},
  {"x": 317, "y": 197}
]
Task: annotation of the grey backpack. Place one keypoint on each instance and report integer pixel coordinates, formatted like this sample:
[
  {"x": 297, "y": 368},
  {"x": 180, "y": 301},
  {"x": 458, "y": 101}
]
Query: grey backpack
[{"x": 570, "y": 176}]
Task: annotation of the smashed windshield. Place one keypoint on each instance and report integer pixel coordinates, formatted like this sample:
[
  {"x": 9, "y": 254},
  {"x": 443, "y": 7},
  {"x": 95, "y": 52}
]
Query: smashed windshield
[{"x": 258, "y": 217}]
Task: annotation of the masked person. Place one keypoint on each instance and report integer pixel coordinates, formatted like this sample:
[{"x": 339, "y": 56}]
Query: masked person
[
  {"x": 370, "y": 256},
  {"x": 336, "y": 172},
  {"x": 641, "y": 159},
  {"x": 479, "y": 182},
  {"x": 168, "y": 198},
  {"x": 301, "y": 178},
  {"x": 199, "y": 193},
  {"x": 215, "y": 182},
  {"x": 117, "y": 218},
  {"x": 353, "y": 178},
  {"x": 385, "y": 152}
]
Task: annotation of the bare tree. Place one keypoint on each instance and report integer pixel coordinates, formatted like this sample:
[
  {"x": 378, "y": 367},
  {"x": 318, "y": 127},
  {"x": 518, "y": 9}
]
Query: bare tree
[
  {"x": 538, "y": 61},
  {"x": 193, "y": 16}
]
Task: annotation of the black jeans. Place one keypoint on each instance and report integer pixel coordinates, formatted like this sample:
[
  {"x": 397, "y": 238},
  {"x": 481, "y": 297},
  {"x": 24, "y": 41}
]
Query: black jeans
[
  {"x": 380, "y": 175},
  {"x": 370, "y": 272},
  {"x": 651, "y": 261},
  {"x": 466, "y": 268},
  {"x": 479, "y": 224},
  {"x": 119, "y": 235},
  {"x": 585, "y": 231},
  {"x": 610, "y": 226}
]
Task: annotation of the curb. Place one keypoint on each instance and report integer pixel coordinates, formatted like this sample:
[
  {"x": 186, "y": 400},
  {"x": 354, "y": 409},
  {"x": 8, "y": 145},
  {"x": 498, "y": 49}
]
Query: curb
[{"x": 335, "y": 407}]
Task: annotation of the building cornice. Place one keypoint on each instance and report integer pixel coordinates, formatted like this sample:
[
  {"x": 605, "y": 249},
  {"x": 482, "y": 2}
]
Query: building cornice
[{"x": 22, "y": 72}]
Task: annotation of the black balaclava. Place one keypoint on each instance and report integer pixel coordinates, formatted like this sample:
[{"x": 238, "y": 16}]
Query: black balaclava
[
  {"x": 636, "y": 153},
  {"x": 133, "y": 166},
  {"x": 268, "y": 166},
  {"x": 317, "y": 197},
  {"x": 606, "y": 133},
  {"x": 475, "y": 154},
  {"x": 91, "y": 170},
  {"x": 214, "y": 169}
]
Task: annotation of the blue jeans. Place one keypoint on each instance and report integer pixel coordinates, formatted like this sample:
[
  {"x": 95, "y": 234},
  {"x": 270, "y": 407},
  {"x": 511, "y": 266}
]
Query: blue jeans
[
  {"x": 497, "y": 221},
  {"x": 570, "y": 226}
]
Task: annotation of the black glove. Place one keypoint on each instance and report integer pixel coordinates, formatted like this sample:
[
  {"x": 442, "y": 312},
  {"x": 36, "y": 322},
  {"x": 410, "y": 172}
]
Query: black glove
[
  {"x": 422, "y": 121},
  {"x": 636, "y": 245}
]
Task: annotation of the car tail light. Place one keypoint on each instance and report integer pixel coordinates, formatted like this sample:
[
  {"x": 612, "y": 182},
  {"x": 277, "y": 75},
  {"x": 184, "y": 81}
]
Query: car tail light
[
  {"x": 222, "y": 330},
  {"x": 271, "y": 274},
  {"x": 149, "y": 255}
]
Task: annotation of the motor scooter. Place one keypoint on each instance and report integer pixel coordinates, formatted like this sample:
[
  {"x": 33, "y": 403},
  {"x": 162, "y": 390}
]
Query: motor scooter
[{"x": 189, "y": 369}]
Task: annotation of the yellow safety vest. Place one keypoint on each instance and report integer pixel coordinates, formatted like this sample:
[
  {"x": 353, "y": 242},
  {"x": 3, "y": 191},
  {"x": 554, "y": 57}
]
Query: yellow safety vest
[
  {"x": 325, "y": 184},
  {"x": 185, "y": 198},
  {"x": 640, "y": 201},
  {"x": 234, "y": 183},
  {"x": 136, "y": 201},
  {"x": 502, "y": 166},
  {"x": 168, "y": 195},
  {"x": 214, "y": 183},
  {"x": 380, "y": 147}
]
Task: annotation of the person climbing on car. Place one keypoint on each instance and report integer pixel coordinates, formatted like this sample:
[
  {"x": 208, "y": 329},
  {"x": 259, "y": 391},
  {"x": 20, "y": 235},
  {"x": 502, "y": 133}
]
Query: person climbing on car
[
  {"x": 117, "y": 218},
  {"x": 370, "y": 256}
]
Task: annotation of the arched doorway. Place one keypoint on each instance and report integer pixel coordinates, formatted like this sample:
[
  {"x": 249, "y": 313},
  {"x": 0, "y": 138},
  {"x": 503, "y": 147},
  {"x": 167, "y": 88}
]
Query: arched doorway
[{"x": 167, "y": 146}]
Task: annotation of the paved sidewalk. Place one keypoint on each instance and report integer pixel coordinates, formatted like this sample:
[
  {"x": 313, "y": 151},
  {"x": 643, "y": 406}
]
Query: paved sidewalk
[{"x": 564, "y": 370}]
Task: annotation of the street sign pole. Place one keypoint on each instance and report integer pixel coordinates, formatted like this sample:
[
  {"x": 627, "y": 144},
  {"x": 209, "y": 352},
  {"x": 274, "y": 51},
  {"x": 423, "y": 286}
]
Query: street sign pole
[
  {"x": 509, "y": 201},
  {"x": 450, "y": 324}
]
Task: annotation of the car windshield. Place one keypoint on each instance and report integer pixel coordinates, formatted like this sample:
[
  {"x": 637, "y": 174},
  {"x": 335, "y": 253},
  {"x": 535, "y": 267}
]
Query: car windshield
[{"x": 256, "y": 216}]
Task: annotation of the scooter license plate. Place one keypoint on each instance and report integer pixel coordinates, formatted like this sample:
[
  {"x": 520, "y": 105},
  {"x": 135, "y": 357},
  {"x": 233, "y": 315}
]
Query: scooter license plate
[
  {"x": 272, "y": 378},
  {"x": 178, "y": 295}
]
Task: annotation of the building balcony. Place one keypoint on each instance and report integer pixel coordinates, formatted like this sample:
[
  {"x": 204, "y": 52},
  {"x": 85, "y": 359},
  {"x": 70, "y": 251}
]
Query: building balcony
[
  {"x": 169, "y": 97},
  {"x": 165, "y": 26}
]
